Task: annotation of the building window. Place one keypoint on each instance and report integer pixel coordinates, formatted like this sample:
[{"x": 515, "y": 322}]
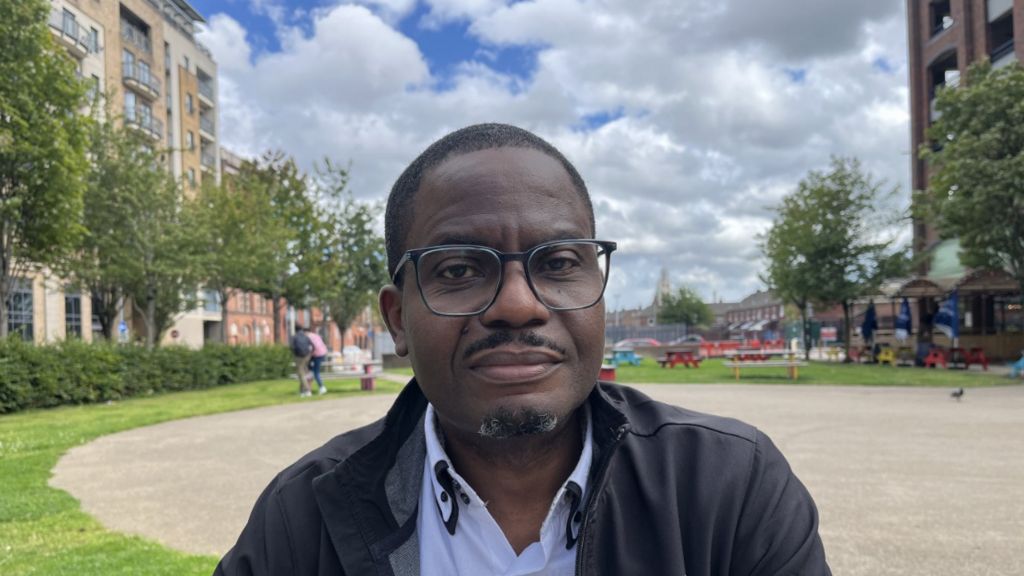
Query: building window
[
  {"x": 211, "y": 300},
  {"x": 19, "y": 310},
  {"x": 1000, "y": 37},
  {"x": 190, "y": 140},
  {"x": 69, "y": 25},
  {"x": 192, "y": 177},
  {"x": 941, "y": 17},
  {"x": 189, "y": 106},
  {"x": 187, "y": 64},
  {"x": 94, "y": 40},
  {"x": 94, "y": 87},
  {"x": 73, "y": 315}
]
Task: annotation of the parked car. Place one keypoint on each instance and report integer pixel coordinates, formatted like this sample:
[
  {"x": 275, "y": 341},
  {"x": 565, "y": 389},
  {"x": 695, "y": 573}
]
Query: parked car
[
  {"x": 634, "y": 342},
  {"x": 688, "y": 339}
]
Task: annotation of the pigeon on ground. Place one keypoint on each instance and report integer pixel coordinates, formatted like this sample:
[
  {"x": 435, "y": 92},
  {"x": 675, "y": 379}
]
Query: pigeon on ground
[{"x": 958, "y": 394}]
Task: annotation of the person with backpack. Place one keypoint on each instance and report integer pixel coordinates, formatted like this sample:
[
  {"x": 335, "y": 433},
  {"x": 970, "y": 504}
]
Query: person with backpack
[{"x": 302, "y": 351}]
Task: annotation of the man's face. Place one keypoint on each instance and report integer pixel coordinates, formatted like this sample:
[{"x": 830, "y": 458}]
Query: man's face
[{"x": 517, "y": 359}]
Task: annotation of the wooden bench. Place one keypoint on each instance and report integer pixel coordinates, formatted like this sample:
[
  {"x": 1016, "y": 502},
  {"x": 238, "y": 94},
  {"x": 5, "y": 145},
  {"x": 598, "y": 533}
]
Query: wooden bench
[{"x": 792, "y": 366}]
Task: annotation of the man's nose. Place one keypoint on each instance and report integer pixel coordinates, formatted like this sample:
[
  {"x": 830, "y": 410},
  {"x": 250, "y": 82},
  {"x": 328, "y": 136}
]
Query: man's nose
[{"x": 515, "y": 304}]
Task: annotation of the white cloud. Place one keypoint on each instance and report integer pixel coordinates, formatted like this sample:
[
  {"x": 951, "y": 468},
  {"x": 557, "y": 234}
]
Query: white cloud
[{"x": 716, "y": 107}]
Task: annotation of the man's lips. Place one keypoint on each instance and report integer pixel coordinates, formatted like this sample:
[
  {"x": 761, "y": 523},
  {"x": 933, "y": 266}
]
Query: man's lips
[{"x": 514, "y": 365}]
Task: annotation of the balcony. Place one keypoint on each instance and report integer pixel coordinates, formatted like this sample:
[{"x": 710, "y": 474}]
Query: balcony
[
  {"x": 142, "y": 119},
  {"x": 206, "y": 91},
  {"x": 70, "y": 34},
  {"x": 138, "y": 38},
  {"x": 207, "y": 128},
  {"x": 141, "y": 80},
  {"x": 1002, "y": 54},
  {"x": 207, "y": 160}
]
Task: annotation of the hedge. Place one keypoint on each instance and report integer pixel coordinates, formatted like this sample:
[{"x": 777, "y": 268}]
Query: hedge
[{"x": 76, "y": 372}]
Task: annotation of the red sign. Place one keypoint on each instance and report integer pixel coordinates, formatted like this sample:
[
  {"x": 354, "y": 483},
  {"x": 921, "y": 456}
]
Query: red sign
[{"x": 829, "y": 334}]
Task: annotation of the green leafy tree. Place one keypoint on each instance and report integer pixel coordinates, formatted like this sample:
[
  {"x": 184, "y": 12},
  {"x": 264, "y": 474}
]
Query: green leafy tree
[
  {"x": 350, "y": 264},
  {"x": 117, "y": 183},
  {"x": 685, "y": 307},
  {"x": 832, "y": 241},
  {"x": 292, "y": 237},
  {"x": 167, "y": 268},
  {"x": 234, "y": 231},
  {"x": 976, "y": 188},
  {"x": 42, "y": 146}
]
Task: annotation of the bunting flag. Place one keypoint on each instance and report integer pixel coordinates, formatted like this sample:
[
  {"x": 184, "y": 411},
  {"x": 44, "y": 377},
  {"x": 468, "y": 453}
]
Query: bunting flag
[
  {"x": 867, "y": 329},
  {"x": 947, "y": 319},
  {"x": 903, "y": 321}
]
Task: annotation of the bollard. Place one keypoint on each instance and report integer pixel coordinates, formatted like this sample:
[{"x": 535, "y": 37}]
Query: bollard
[{"x": 366, "y": 382}]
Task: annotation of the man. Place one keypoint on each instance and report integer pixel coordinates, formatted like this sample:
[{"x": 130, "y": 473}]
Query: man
[
  {"x": 302, "y": 351},
  {"x": 501, "y": 456}
]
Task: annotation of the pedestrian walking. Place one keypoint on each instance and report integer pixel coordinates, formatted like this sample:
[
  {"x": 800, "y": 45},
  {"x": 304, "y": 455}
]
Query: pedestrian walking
[
  {"x": 302, "y": 351},
  {"x": 319, "y": 353}
]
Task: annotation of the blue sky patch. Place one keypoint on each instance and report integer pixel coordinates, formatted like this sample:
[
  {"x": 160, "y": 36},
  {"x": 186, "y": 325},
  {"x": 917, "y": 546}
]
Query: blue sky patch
[
  {"x": 796, "y": 75},
  {"x": 882, "y": 64},
  {"x": 591, "y": 122}
]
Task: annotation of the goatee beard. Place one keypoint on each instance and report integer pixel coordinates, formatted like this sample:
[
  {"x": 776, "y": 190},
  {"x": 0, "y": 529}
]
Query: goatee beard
[{"x": 506, "y": 423}]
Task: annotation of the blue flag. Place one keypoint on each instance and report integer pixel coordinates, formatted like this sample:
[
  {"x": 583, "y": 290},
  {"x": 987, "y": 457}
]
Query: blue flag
[
  {"x": 947, "y": 319},
  {"x": 867, "y": 329},
  {"x": 903, "y": 321}
]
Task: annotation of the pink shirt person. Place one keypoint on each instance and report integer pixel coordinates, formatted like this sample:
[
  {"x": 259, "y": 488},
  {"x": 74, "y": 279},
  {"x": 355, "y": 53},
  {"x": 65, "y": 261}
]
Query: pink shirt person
[{"x": 319, "y": 348}]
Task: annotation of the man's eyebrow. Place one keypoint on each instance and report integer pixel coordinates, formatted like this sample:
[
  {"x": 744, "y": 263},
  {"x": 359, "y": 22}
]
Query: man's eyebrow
[{"x": 458, "y": 239}]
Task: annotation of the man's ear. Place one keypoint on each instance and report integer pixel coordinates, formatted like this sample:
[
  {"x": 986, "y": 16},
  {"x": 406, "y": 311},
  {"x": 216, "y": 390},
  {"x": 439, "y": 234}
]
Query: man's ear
[{"x": 390, "y": 302}]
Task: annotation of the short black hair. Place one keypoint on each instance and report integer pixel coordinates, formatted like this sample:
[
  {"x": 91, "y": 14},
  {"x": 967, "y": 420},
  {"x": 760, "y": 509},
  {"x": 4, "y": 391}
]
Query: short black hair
[{"x": 399, "y": 213}]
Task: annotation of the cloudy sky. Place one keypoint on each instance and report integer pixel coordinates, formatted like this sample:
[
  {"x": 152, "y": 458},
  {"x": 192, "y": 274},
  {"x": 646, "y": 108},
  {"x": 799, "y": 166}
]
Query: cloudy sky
[{"x": 688, "y": 119}]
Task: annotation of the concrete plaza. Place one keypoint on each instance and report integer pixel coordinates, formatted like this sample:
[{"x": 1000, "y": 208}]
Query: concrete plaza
[{"x": 907, "y": 480}]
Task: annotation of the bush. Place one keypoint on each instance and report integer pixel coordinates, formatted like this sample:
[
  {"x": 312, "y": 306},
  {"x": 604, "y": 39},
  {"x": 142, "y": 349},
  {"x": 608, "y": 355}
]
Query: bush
[{"x": 76, "y": 372}]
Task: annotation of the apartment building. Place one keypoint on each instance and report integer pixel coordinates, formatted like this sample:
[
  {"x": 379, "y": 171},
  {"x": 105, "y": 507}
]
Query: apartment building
[
  {"x": 144, "y": 55},
  {"x": 945, "y": 37}
]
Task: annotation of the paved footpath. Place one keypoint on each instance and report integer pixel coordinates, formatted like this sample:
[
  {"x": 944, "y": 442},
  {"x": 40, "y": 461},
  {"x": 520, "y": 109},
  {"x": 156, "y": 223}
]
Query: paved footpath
[{"x": 907, "y": 480}]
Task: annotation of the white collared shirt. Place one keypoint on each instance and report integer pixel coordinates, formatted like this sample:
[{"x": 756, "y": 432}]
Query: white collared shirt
[{"x": 478, "y": 546}]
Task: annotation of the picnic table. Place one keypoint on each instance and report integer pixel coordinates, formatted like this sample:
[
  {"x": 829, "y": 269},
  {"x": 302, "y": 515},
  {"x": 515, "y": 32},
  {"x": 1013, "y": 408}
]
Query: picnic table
[
  {"x": 759, "y": 355},
  {"x": 688, "y": 357},
  {"x": 623, "y": 356},
  {"x": 935, "y": 357},
  {"x": 792, "y": 366},
  {"x": 967, "y": 357}
]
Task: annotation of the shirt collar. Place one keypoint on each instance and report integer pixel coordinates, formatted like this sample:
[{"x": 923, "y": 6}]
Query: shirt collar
[{"x": 451, "y": 490}]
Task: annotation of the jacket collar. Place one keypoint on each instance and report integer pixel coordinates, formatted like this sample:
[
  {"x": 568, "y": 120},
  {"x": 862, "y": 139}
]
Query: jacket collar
[{"x": 369, "y": 500}]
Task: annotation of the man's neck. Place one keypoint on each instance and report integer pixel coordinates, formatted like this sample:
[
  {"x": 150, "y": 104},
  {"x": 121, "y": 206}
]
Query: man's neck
[{"x": 518, "y": 477}]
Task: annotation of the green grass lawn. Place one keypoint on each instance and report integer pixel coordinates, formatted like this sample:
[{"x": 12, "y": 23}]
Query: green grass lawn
[
  {"x": 44, "y": 531},
  {"x": 712, "y": 370}
]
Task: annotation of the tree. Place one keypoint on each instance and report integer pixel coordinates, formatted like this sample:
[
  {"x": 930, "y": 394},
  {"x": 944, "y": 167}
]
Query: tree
[
  {"x": 120, "y": 172},
  {"x": 235, "y": 233},
  {"x": 42, "y": 146},
  {"x": 292, "y": 236},
  {"x": 976, "y": 189},
  {"x": 685, "y": 307},
  {"x": 832, "y": 240},
  {"x": 351, "y": 262},
  {"x": 167, "y": 268}
]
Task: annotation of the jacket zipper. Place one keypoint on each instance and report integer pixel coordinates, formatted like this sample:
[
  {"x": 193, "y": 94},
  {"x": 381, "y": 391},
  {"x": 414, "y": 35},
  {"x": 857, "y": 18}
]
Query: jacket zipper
[{"x": 591, "y": 504}]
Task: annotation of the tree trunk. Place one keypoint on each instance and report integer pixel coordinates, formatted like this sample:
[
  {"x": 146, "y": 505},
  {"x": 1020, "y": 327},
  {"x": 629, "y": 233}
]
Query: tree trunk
[
  {"x": 276, "y": 305},
  {"x": 846, "y": 331},
  {"x": 150, "y": 316},
  {"x": 224, "y": 294},
  {"x": 806, "y": 323}
]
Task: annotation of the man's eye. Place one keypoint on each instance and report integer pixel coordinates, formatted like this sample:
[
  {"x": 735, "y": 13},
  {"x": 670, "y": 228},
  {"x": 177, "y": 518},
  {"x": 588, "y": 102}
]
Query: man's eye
[
  {"x": 561, "y": 262},
  {"x": 458, "y": 272}
]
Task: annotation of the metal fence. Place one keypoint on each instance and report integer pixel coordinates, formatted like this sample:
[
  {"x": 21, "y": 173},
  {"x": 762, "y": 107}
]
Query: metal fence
[{"x": 664, "y": 333}]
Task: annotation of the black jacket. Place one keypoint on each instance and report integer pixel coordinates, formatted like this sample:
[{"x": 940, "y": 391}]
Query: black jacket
[{"x": 673, "y": 492}]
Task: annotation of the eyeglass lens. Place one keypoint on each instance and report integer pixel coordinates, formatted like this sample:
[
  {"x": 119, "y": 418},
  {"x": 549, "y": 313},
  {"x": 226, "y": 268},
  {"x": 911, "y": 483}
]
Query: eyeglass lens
[{"x": 465, "y": 280}]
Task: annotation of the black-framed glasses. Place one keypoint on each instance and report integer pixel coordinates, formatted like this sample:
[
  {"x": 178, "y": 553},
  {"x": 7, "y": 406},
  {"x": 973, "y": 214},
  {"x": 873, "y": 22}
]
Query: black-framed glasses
[{"x": 464, "y": 279}]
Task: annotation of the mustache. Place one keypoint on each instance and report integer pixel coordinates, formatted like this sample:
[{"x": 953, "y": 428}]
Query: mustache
[{"x": 503, "y": 337}]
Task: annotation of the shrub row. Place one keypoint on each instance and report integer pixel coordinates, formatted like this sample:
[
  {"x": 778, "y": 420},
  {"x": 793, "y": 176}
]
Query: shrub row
[{"x": 75, "y": 372}]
